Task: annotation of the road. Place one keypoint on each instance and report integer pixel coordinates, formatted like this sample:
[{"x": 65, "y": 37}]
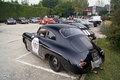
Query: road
[{"x": 16, "y": 63}]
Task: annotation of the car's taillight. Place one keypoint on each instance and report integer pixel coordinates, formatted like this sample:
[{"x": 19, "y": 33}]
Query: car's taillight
[
  {"x": 82, "y": 63},
  {"x": 102, "y": 52}
]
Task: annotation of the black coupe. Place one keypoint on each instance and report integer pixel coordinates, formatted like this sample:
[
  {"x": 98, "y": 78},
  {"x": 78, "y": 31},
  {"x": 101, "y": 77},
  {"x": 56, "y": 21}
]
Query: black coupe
[{"x": 65, "y": 47}]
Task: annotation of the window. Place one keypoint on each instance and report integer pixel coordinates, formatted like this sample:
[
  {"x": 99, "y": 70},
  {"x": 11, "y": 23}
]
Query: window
[
  {"x": 51, "y": 36},
  {"x": 68, "y": 32},
  {"x": 42, "y": 32},
  {"x": 82, "y": 43}
]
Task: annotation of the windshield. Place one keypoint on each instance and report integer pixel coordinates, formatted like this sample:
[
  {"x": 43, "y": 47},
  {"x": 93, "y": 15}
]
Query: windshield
[
  {"x": 68, "y": 32},
  {"x": 10, "y": 19},
  {"x": 21, "y": 18}
]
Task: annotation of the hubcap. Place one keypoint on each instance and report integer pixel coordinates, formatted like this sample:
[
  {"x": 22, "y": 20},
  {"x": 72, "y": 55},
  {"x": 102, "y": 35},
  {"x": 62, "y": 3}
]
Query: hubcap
[{"x": 55, "y": 61}]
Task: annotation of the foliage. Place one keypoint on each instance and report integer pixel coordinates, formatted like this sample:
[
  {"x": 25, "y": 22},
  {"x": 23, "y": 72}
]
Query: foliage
[
  {"x": 114, "y": 4},
  {"x": 79, "y": 5},
  {"x": 50, "y": 3},
  {"x": 113, "y": 33},
  {"x": 64, "y": 9},
  {"x": 16, "y": 10},
  {"x": 111, "y": 65},
  {"x": 105, "y": 27},
  {"x": 103, "y": 11}
]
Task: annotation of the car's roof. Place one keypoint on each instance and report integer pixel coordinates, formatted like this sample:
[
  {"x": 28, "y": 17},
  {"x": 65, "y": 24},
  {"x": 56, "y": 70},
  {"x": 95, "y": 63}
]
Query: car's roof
[{"x": 57, "y": 26}]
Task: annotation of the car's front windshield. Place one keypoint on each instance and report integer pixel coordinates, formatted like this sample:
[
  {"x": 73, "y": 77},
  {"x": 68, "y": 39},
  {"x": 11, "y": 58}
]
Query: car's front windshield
[
  {"x": 68, "y": 32},
  {"x": 10, "y": 19},
  {"x": 21, "y": 18}
]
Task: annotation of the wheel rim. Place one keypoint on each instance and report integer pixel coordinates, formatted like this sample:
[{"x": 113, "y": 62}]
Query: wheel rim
[{"x": 54, "y": 62}]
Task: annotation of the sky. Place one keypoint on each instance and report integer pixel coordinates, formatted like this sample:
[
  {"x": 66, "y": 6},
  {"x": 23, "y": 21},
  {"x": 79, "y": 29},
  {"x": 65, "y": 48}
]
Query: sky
[{"x": 91, "y": 2}]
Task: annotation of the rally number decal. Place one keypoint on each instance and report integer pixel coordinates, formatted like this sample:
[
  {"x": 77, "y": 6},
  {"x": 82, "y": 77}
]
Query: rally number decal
[{"x": 35, "y": 45}]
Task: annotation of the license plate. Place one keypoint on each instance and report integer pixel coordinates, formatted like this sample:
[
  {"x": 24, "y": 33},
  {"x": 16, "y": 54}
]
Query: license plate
[{"x": 96, "y": 63}]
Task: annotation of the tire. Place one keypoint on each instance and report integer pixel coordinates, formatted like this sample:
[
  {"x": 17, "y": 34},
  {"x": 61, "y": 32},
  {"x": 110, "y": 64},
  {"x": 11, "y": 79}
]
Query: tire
[
  {"x": 26, "y": 44},
  {"x": 55, "y": 64},
  {"x": 95, "y": 24}
]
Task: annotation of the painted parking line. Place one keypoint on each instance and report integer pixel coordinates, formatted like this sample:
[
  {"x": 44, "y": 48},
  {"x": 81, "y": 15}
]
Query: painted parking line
[
  {"x": 42, "y": 68},
  {"x": 22, "y": 56}
]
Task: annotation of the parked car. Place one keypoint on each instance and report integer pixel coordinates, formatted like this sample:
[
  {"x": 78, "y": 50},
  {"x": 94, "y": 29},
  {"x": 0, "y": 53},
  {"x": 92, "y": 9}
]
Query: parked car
[
  {"x": 46, "y": 21},
  {"x": 67, "y": 21},
  {"x": 38, "y": 18},
  {"x": 64, "y": 46},
  {"x": 85, "y": 22},
  {"x": 82, "y": 27},
  {"x": 62, "y": 19},
  {"x": 33, "y": 20},
  {"x": 22, "y": 20},
  {"x": 85, "y": 30},
  {"x": 96, "y": 20},
  {"x": 10, "y": 21}
]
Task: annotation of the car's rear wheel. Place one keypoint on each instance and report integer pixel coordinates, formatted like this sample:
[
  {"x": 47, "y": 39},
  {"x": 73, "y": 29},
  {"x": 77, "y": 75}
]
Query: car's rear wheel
[
  {"x": 55, "y": 63},
  {"x": 26, "y": 44}
]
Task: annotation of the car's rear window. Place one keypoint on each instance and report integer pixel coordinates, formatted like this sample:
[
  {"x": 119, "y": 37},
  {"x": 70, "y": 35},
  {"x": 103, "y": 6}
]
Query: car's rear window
[
  {"x": 81, "y": 43},
  {"x": 68, "y": 32}
]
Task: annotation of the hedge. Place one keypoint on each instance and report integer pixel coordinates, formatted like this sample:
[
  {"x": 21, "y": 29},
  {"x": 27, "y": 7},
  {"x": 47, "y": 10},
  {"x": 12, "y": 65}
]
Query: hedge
[{"x": 16, "y": 10}]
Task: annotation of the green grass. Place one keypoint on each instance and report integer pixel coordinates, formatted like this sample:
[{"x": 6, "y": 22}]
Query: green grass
[{"x": 111, "y": 65}]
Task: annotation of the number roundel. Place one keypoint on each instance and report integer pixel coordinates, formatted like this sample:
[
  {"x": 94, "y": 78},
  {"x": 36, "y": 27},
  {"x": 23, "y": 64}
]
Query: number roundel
[{"x": 35, "y": 45}]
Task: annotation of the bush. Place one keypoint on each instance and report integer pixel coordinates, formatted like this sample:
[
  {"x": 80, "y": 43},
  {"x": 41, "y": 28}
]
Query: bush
[
  {"x": 105, "y": 27},
  {"x": 17, "y": 10},
  {"x": 113, "y": 31},
  {"x": 113, "y": 35}
]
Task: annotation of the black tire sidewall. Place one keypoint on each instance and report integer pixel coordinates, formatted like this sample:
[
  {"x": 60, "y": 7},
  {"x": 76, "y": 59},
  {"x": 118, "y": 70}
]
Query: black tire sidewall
[
  {"x": 26, "y": 45},
  {"x": 58, "y": 68}
]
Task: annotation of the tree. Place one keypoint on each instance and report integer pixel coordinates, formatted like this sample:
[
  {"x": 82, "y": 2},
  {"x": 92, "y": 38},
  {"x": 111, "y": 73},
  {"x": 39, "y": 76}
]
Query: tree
[
  {"x": 114, "y": 4},
  {"x": 64, "y": 9},
  {"x": 16, "y": 1},
  {"x": 12, "y": 1},
  {"x": 50, "y": 3},
  {"x": 24, "y": 2},
  {"x": 113, "y": 34},
  {"x": 79, "y": 5},
  {"x": 103, "y": 11},
  {"x": 40, "y": 3}
]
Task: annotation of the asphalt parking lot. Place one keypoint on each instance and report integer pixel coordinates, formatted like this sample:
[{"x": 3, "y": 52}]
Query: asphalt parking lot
[{"x": 16, "y": 63}]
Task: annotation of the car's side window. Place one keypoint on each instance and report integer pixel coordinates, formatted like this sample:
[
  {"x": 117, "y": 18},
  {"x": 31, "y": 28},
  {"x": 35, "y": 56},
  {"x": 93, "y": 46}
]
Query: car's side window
[
  {"x": 42, "y": 32},
  {"x": 50, "y": 35}
]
